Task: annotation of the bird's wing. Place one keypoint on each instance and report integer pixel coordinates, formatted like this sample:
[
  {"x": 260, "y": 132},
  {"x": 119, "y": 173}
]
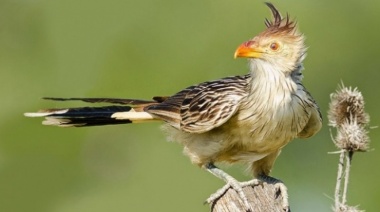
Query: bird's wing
[
  {"x": 315, "y": 120},
  {"x": 203, "y": 107}
]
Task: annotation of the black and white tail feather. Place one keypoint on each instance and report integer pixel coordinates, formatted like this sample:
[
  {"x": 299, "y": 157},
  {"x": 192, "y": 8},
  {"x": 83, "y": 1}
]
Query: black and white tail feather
[{"x": 127, "y": 111}]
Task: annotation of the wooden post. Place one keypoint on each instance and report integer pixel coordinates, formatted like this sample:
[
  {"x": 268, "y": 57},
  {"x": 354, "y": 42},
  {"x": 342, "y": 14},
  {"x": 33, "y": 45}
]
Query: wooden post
[{"x": 263, "y": 198}]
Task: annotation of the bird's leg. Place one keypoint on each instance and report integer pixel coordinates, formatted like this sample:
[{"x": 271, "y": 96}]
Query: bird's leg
[
  {"x": 280, "y": 189},
  {"x": 230, "y": 182}
]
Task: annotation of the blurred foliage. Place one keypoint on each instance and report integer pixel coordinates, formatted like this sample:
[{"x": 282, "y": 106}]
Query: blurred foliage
[{"x": 149, "y": 47}]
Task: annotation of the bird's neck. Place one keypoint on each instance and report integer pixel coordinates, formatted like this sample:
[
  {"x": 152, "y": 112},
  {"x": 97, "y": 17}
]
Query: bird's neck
[{"x": 268, "y": 80}]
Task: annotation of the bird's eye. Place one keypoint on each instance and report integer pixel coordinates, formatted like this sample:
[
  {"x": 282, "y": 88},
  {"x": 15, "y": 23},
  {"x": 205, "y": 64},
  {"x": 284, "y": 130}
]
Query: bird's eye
[{"x": 274, "y": 46}]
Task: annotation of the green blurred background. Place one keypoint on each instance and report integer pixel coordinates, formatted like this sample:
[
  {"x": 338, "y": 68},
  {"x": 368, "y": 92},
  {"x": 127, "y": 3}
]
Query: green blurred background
[{"x": 92, "y": 48}]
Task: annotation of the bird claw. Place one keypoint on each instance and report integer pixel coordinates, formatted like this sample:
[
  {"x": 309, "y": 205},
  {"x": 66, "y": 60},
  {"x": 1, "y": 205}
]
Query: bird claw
[
  {"x": 238, "y": 187},
  {"x": 218, "y": 194}
]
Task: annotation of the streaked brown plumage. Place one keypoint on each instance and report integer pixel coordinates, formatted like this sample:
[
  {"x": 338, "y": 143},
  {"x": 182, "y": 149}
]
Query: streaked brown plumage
[{"x": 247, "y": 118}]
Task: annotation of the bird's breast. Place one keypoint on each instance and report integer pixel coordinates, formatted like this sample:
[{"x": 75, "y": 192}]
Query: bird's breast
[{"x": 269, "y": 125}]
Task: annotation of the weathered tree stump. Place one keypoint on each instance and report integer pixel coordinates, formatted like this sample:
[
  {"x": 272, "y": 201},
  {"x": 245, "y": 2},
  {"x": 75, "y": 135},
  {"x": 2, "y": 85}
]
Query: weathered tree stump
[{"x": 263, "y": 198}]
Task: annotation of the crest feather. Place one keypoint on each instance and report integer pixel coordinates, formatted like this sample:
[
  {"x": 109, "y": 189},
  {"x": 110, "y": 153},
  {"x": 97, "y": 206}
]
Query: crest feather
[{"x": 279, "y": 24}]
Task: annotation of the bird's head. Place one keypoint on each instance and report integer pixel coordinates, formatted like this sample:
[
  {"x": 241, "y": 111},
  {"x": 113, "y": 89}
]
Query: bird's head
[{"x": 280, "y": 44}]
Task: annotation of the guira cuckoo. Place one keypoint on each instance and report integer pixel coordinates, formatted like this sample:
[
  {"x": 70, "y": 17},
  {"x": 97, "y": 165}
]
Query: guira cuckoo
[{"x": 246, "y": 119}]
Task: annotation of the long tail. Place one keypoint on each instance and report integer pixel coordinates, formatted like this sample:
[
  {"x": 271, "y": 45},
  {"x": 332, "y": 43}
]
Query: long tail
[{"x": 131, "y": 111}]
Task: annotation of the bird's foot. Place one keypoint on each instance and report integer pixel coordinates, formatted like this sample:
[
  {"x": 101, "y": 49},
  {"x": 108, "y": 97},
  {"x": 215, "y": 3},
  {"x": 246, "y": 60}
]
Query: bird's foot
[
  {"x": 238, "y": 187},
  {"x": 280, "y": 190},
  {"x": 230, "y": 183}
]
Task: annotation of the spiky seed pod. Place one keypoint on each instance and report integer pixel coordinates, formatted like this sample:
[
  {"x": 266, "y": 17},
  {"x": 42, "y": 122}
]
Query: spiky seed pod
[
  {"x": 348, "y": 116},
  {"x": 352, "y": 137},
  {"x": 347, "y": 104}
]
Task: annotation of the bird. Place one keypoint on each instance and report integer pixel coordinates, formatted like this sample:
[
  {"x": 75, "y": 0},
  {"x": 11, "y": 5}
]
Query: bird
[{"x": 238, "y": 119}]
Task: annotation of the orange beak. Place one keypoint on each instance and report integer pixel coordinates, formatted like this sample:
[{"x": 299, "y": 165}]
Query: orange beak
[{"x": 245, "y": 50}]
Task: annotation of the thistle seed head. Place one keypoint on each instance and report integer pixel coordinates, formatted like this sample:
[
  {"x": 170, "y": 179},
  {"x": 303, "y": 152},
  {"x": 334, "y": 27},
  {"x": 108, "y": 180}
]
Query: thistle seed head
[
  {"x": 348, "y": 116},
  {"x": 352, "y": 137},
  {"x": 347, "y": 104}
]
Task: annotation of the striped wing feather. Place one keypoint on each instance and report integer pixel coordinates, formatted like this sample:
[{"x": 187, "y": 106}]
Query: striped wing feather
[
  {"x": 169, "y": 109},
  {"x": 203, "y": 107}
]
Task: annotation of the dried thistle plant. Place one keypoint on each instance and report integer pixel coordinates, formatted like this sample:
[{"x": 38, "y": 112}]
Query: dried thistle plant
[
  {"x": 347, "y": 104},
  {"x": 347, "y": 115}
]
